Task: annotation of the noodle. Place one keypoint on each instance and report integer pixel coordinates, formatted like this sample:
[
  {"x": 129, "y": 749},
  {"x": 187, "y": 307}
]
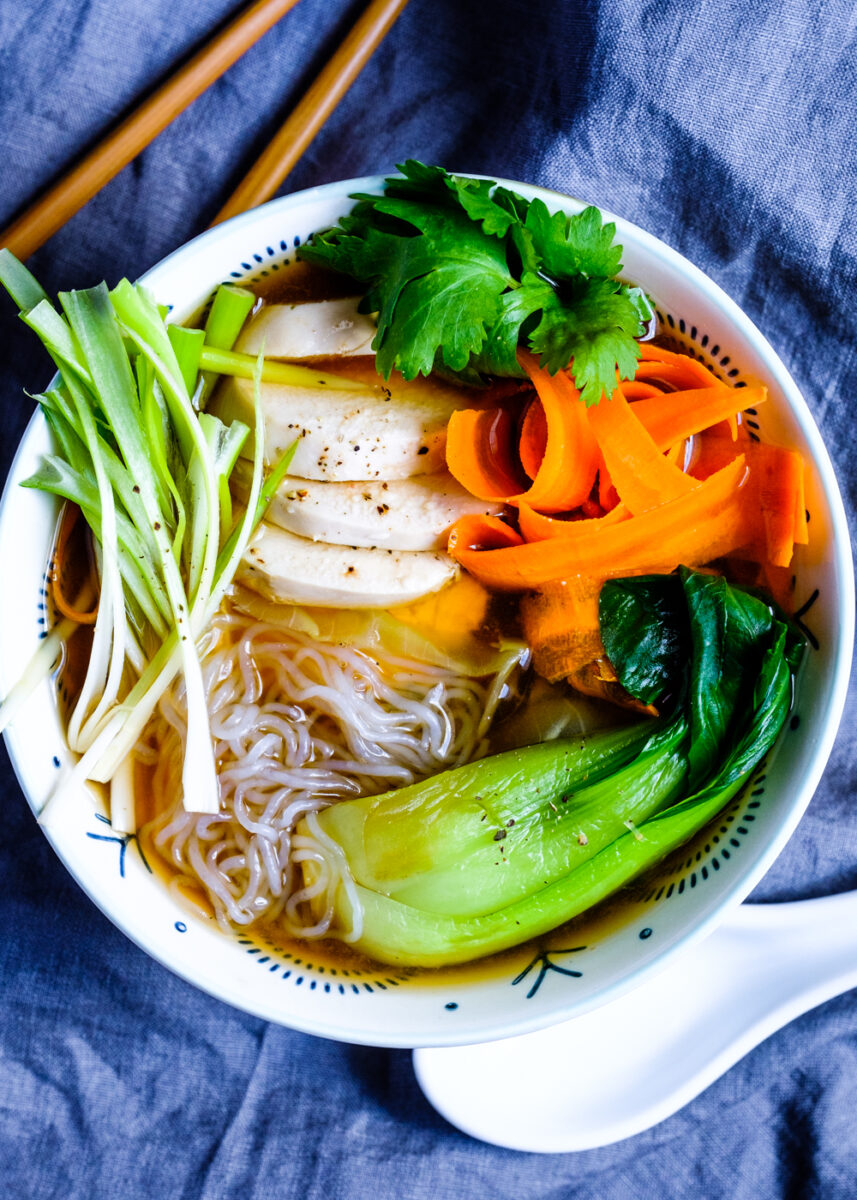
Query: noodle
[{"x": 298, "y": 725}]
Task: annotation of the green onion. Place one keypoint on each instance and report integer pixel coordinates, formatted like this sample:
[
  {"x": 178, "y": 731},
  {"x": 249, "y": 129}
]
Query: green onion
[
  {"x": 229, "y": 310},
  {"x": 151, "y": 477},
  {"x": 230, "y": 362}
]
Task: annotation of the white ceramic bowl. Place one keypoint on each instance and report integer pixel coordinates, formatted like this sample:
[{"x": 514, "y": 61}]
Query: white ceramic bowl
[{"x": 604, "y": 954}]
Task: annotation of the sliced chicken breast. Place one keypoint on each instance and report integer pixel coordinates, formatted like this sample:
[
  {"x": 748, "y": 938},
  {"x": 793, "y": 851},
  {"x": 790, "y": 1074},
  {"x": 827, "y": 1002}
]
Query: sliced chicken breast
[
  {"x": 294, "y": 570},
  {"x": 404, "y": 514},
  {"x": 390, "y": 431},
  {"x": 312, "y": 329}
]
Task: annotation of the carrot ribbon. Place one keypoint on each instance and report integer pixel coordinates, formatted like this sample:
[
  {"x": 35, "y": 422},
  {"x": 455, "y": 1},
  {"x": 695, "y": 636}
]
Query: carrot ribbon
[{"x": 658, "y": 475}]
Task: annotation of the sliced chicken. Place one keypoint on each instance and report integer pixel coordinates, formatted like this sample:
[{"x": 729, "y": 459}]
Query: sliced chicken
[
  {"x": 404, "y": 514},
  {"x": 313, "y": 329},
  {"x": 391, "y": 431},
  {"x": 294, "y": 570}
]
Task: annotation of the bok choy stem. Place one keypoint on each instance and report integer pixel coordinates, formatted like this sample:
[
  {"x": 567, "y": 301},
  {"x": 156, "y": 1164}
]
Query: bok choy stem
[{"x": 482, "y": 857}]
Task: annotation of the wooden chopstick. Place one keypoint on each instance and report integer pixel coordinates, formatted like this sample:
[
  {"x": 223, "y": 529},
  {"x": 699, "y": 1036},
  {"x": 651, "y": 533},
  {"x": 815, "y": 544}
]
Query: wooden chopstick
[
  {"x": 79, "y": 185},
  {"x": 271, "y": 168}
]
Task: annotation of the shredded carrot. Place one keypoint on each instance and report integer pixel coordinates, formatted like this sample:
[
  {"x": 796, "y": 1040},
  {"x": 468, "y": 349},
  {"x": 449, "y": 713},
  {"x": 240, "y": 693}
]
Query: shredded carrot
[
  {"x": 676, "y": 376},
  {"x": 534, "y": 437},
  {"x": 776, "y": 492},
  {"x": 596, "y": 472},
  {"x": 685, "y": 366},
  {"x": 70, "y": 516},
  {"x": 561, "y": 626},
  {"x": 567, "y": 470},
  {"x": 710, "y": 521},
  {"x": 608, "y": 497},
  {"x": 676, "y": 453},
  {"x": 478, "y": 448},
  {"x": 478, "y": 452},
  {"x": 535, "y": 527},
  {"x": 637, "y": 390},
  {"x": 779, "y": 582},
  {"x": 801, "y": 531},
  {"x": 641, "y": 475},
  {"x": 778, "y": 476},
  {"x": 670, "y": 416},
  {"x": 652, "y": 352},
  {"x": 476, "y": 533}
]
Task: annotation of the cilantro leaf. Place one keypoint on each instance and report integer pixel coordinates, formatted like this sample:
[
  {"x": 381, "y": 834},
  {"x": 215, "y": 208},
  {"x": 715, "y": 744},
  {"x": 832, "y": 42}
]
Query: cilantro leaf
[
  {"x": 569, "y": 246},
  {"x": 512, "y": 202},
  {"x": 461, "y": 272},
  {"x": 436, "y": 290},
  {"x": 595, "y": 332},
  {"x": 642, "y": 303},
  {"x": 499, "y": 353},
  {"x": 474, "y": 197},
  {"x": 419, "y": 182},
  {"x": 433, "y": 184}
]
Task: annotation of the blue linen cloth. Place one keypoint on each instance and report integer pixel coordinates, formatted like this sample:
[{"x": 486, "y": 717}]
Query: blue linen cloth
[{"x": 724, "y": 128}]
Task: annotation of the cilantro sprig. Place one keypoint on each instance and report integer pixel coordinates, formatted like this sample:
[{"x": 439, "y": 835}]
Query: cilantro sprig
[{"x": 461, "y": 272}]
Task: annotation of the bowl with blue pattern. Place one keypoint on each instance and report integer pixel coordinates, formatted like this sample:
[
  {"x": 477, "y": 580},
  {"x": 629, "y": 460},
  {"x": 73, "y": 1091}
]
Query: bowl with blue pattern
[{"x": 600, "y": 954}]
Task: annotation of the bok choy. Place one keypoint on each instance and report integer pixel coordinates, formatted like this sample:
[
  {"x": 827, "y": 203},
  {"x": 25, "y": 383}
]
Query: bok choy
[{"x": 483, "y": 857}]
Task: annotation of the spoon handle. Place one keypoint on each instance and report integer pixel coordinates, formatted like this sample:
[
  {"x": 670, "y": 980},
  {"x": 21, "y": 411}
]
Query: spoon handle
[
  {"x": 634, "y": 1062},
  {"x": 800, "y": 953}
]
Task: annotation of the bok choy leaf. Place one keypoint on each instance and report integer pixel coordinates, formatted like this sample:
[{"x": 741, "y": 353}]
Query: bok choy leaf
[{"x": 483, "y": 857}]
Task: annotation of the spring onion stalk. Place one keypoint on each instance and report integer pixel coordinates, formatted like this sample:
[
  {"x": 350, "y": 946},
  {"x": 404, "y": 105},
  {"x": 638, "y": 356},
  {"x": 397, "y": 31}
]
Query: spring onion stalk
[
  {"x": 100, "y": 762},
  {"x": 229, "y": 310},
  {"x": 22, "y": 286},
  {"x": 107, "y": 655},
  {"x": 123, "y": 814},
  {"x": 484, "y": 856},
  {"x": 98, "y": 320},
  {"x": 151, "y": 477},
  {"x": 230, "y": 362},
  {"x": 40, "y": 665}
]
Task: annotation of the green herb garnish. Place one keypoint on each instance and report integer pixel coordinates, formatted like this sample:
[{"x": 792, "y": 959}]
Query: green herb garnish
[{"x": 462, "y": 271}]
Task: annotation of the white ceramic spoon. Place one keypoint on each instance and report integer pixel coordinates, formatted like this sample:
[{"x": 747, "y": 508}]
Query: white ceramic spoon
[{"x": 634, "y": 1062}]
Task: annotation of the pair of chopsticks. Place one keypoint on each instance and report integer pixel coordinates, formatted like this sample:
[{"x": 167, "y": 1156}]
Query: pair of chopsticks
[{"x": 43, "y": 218}]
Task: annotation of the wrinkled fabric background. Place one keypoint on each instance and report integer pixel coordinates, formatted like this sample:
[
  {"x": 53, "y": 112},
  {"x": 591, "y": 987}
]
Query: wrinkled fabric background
[{"x": 726, "y": 129}]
